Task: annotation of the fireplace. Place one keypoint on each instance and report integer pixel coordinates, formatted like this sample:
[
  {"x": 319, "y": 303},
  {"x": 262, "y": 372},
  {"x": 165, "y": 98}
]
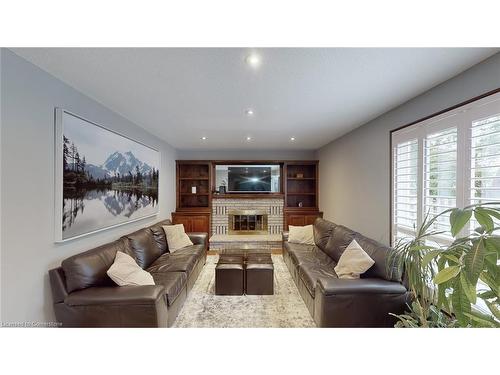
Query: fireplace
[{"x": 247, "y": 222}]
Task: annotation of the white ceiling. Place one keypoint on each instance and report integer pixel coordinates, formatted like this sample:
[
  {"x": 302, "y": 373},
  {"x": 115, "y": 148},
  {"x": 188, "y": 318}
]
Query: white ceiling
[{"x": 313, "y": 94}]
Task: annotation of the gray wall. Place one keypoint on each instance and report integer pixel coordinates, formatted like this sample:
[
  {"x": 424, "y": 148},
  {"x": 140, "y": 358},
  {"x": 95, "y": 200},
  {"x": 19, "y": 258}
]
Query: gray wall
[
  {"x": 246, "y": 155},
  {"x": 28, "y": 98},
  {"x": 354, "y": 169}
]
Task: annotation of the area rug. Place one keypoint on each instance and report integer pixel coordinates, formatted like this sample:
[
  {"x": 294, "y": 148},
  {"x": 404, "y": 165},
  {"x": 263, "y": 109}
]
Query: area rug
[{"x": 203, "y": 309}]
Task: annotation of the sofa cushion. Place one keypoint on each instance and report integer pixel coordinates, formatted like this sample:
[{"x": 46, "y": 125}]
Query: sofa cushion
[
  {"x": 177, "y": 237},
  {"x": 89, "y": 269},
  {"x": 125, "y": 272},
  {"x": 322, "y": 232},
  {"x": 301, "y": 234},
  {"x": 309, "y": 273},
  {"x": 159, "y": 238},
  {"x": 293, "y": 249},
  {"x": 341, "y": 238},
  {"x": 353, "y": 262},
  {"x": 173, "y": 282},
  {"x": 334, "y": 286},
  {"x": 174, "y": 263},
  {"x": 144, "y": 247},
  {"x": 198, "y": 250},
  {"x": 380, "y": 254},
  {"x": 315, "y": 255}
]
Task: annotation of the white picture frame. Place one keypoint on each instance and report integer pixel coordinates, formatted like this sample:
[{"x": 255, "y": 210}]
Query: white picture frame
[{"x": 113, "y": 199}]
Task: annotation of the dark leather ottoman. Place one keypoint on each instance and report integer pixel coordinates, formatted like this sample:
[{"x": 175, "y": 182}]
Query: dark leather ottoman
[
  {"x": 259, "y": 275},
  {"x": 229, "y": 275}
]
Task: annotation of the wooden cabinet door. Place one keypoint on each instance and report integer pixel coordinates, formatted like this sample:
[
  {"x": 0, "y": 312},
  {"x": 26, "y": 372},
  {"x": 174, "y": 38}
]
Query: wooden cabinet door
[
  {"x": 200, "y": 223},
  {"x": 192, "y": 223},
  {"x": 301, "y": 218},
  {"x": 185, "y": 220},
  {"x": 309, "y": 219},
  {"x": 296, "y": 220}
]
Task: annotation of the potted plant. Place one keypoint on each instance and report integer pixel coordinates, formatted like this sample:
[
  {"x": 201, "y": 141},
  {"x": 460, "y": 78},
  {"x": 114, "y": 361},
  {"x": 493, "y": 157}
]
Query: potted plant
[{"x": 448, "y": 281}]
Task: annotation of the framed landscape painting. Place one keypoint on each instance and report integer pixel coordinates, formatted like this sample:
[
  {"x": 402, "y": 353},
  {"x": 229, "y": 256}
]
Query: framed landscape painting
[{"x": 103, "y": 179}]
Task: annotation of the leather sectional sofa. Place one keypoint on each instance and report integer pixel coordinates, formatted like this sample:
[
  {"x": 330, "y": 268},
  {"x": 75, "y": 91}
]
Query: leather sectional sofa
[
  {"x": 85, "y": 296},
  {"x": 334, "y": 302}
]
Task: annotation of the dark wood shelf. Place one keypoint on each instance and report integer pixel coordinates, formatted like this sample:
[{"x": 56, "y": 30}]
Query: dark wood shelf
[
  {"x": 193, "y": 174},
  {"x": 301, "y": 178},
  {"x": 301, "y": 194}
]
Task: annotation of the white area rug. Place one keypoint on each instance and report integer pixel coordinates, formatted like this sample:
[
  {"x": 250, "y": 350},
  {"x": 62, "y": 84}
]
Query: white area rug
[{"x": 283, "y": 309}]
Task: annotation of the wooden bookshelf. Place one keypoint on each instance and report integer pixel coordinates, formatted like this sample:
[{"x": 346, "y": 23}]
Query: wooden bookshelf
[
  {"x": 301, "y": 192},
  {"x": 193, "y": 195}
]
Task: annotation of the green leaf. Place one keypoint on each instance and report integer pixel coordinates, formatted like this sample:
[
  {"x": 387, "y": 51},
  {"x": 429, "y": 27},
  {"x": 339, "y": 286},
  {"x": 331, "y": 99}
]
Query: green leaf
[
  {"x": 458, "y": 219},
  {"x": 453, "y": 258},
  {"x": 494, "y": 309},
  {"x": 489, "y": 294},
  {"x": 461, "y": 305},
  {"x": 481, "y": 319},
  {"x": 484, "y": 219},
  {"x": 429, "y": 257},
  {"x": 474, "y": 259},
  {"x": 491, "y": 282},
  {"x": 468, "y": 288},
  {"x": 492, "y": 212},
  {"x": 490, "y": 263},
  {"x": 493, "y": 244},
  {"x": 446, "y": 274}
]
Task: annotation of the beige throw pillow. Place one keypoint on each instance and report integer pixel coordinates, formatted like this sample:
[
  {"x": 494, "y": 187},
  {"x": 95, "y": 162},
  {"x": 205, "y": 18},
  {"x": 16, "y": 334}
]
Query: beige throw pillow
[
  {"x": 303, "y": 235},
  {"x": 353, "y": 262},
  {"x": 176, "y": 237},
  {"x": 125, "y": 271}
]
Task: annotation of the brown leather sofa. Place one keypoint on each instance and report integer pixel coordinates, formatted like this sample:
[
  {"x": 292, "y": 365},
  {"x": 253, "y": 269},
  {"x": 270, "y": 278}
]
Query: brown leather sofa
[
  {"x": 334, "y": 302},
  {"x": 85, "y": 296}
]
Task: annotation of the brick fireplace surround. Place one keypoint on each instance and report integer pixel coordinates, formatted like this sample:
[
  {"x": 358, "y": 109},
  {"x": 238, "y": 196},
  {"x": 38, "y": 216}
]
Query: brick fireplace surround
[
  {"x": 272, "y": 206},
  {"x": 220, "y": 223}
]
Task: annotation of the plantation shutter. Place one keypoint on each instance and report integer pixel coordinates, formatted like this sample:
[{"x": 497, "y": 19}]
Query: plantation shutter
[
  {"x": 405, "y": 188},
  {"x": 484, "y": 184},
  {"x": 440, "y": 177}
]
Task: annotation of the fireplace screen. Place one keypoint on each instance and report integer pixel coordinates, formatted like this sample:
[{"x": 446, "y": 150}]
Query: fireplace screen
[{"x": 247, "y": 222}]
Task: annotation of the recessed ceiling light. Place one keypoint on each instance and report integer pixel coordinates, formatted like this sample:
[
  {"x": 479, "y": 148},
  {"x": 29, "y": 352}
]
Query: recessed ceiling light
[
  {"x": 253, "y": 60},
  {"x": 203, "y": 138},
  {"x": 249, "y": 112},
  {"x": 292, "y": 139},
  {"x": 249, "y": 139}
]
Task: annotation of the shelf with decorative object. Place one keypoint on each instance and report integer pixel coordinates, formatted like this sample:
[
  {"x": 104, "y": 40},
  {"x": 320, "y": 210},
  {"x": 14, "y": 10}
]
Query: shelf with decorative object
[
  {"x": 193, "y": 195},
  {"x": 301, "y": 193}
]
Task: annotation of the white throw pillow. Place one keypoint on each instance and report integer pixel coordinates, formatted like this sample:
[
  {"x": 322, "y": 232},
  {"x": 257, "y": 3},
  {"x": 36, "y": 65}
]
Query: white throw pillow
[
  {"x": 176, "y": 237},
  {"x": 303, "y": 235},
  {"x": 353, "y": 262},
  {"x": 125, "y": 271}
]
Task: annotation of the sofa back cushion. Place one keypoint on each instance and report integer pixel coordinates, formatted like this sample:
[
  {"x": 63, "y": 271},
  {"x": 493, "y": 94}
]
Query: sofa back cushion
[
  {"x": 159, "y": 238},
  {"x": 143, "y": 246},
  {"x": 341, "y": 238},
  {"x": 323, "y": 230},
  {"x": 380, "y": 254},
  {"x": 89, "y": 268}
]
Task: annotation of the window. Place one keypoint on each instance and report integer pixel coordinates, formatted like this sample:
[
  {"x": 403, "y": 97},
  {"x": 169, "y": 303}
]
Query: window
[
  {"x": 450, "y": 160},
  {"x": 405, "y": 188}
]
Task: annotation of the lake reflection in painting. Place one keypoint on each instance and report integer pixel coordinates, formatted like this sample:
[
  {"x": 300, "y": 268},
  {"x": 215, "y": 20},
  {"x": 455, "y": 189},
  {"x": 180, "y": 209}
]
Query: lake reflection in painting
[
  {"x": 85, "y": 211},
  {"x": 107, "y": 179}
]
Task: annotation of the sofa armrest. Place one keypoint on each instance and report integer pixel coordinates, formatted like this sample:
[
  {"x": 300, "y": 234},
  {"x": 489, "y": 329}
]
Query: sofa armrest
[
  {"x": 284, "y": 236},
  {"x": 199, "y": 238},
  {"x": 118, "y": 295},
  {"x": 333, "y": 286}
]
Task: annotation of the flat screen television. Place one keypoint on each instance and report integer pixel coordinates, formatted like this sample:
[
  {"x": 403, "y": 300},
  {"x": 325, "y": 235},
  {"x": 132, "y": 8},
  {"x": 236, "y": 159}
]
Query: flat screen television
[{"x": 249, "y": 179}]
